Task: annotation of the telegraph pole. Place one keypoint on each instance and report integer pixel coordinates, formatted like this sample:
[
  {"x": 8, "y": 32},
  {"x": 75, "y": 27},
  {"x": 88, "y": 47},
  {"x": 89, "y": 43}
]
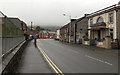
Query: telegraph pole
[{"x": 31, "y": 26}]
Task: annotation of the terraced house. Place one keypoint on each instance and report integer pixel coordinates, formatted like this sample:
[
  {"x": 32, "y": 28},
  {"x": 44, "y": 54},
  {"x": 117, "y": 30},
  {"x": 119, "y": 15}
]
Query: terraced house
[
  {"x": 64, "y": 33},
  {"x": 81, "y": 32},
  {"x": 20, "y": 24},
  {"x": 104, "y": 27},
  {"x": 72, "y": 30}
]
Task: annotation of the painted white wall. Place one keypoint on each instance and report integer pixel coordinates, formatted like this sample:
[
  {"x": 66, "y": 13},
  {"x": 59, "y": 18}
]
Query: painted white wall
[
  {"x": 58, "y": 34},
  {"x": 106, "y": 20}
]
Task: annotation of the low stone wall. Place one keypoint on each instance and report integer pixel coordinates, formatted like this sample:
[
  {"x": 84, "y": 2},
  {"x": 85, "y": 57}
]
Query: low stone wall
[
  {"x": 100, "y": 44},
  {"x": 86, "y": 42},
  {"x": 119, "y": 43},
  {"x": 116, "y": 44},
  {"x": 9, "y": 65}
]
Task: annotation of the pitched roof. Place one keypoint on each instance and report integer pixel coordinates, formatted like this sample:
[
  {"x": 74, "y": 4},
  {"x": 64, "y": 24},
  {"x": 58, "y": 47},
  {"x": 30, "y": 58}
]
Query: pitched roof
[
  {"x": 1, "y": 14},
  {"x": 107, "y": 9},
  {"x": 16, "y": 22}
]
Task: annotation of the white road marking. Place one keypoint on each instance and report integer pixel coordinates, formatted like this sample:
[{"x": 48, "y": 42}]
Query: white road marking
[
  {"x": 99, "y": 60},
  {"x": 50, "y": 62}
]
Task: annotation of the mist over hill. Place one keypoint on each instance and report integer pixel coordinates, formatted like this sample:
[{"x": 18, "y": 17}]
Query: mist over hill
[{"x": 51, "y": 28}]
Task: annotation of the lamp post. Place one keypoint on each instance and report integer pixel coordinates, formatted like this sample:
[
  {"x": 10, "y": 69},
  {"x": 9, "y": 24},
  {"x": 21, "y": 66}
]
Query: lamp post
[
  {"x": 69, "y": 32},
  {"x": 68, "y": 15},
  {"x": 72, "y": 31}
]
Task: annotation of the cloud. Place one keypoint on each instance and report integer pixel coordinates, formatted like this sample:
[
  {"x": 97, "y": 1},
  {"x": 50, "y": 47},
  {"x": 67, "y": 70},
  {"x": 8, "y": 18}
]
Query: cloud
[{"x": 49, "y": 12}]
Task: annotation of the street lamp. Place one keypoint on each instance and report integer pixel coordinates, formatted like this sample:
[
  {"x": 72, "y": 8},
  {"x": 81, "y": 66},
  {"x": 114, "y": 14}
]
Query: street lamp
[
  {"x": 69, "y": 32},
  {"x": 68, "y": 15}
]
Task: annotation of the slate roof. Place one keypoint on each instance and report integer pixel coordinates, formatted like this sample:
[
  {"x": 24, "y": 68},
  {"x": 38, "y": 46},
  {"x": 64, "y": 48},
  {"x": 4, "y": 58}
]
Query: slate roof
[{"x": 16, "y": 22}]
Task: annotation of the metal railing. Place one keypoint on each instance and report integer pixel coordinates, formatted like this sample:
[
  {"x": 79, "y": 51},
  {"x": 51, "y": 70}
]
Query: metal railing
[
  {"x": 11, "y": 35},
  {"x": 10, "y": 38},
  {"x": 8, "y": 43}
]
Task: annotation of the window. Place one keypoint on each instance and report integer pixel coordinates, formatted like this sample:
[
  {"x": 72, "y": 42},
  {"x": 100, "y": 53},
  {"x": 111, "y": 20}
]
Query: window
[
  {"x": 99, "y": 20},
  {"x": 111, "y": 30},
  {"x": 110, "y": 17},
  {"x": 80, "y": 29},
  {"x": 91, "y": 21}
]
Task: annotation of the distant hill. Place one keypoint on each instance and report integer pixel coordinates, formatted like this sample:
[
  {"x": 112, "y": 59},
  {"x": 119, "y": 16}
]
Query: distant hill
[{"x": 51, "y": 28}]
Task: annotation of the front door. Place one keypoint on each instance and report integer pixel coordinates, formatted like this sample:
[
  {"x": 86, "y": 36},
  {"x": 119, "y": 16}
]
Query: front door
[{"x": 99, "y": 35}]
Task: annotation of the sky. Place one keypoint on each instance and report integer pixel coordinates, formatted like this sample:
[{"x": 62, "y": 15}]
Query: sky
[{"x": 50, "y": 12}]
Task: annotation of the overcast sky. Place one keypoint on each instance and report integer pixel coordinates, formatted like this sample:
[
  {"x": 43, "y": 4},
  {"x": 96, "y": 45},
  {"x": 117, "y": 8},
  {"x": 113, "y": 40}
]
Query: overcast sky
[{"x": 49, "y": 12}]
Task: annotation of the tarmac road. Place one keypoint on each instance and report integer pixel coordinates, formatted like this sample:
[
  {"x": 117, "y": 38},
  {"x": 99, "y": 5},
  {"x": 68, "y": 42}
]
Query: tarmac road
[{"x": 71, "y": 58}]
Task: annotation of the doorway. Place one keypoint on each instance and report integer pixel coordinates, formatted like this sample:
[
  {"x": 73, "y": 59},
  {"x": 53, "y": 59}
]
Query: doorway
[{"x": 99, "y": 35}]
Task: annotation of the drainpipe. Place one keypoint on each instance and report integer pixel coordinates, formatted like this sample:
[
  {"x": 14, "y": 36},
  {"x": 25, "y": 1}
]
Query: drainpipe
[
  {"x": 117, "y": 28},
  {"x": 31, "y": 26},
  {"x": 75, "y": 32},
  {"x": 69, "y": 29}
]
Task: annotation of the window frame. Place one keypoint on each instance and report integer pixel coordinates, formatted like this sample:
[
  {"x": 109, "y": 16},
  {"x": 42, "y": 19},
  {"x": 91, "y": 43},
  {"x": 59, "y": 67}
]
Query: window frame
[
  {"x": 91, "y": 21},
  {"x": 98, "y": 19},
  {"x": 109, "y": 15}
]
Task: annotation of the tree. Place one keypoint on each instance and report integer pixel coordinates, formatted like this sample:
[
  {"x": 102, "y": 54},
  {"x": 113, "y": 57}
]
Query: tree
[{"x": 37, "y": 29}]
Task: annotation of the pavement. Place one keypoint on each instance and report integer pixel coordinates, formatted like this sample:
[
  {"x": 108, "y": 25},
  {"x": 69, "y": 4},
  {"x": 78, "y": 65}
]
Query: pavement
[
  {"x": 73, "y": 58},
  {"x": 32, "y": 61},
  {"x": 0, "y": 54}
]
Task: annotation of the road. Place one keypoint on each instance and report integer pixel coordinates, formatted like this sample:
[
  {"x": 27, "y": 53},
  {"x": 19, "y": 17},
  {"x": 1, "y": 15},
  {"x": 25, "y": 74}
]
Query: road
[{"x": 71, "y": 58}]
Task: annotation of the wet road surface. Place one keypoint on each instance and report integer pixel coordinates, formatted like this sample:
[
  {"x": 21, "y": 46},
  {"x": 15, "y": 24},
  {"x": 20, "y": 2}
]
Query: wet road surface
[
  {"x": 32, "y": 61},
  {"x": 71, "y": 58}
]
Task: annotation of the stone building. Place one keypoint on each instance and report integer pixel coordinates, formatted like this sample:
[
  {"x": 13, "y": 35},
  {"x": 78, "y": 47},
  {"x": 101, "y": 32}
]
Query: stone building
[
  {"x": 20, "y": 24},
  {"x": 81, "y": 32},
  {"x": 118, "y": 25},
  {"x": 57, "y": 34},
  {"x": 104, "y": 27},
  {"x": 72, "y": 30},
  {"x": 64, "y": 33}
]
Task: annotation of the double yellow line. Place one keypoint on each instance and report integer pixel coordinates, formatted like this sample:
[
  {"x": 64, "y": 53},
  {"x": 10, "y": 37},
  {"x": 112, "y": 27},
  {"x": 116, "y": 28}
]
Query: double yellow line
[{"x": 49, "y": 61}]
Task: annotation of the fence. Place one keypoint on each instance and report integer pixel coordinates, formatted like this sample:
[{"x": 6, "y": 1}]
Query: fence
[
  {"x": 11, "y": 35},
  {"x": 9, "y": 43}
]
